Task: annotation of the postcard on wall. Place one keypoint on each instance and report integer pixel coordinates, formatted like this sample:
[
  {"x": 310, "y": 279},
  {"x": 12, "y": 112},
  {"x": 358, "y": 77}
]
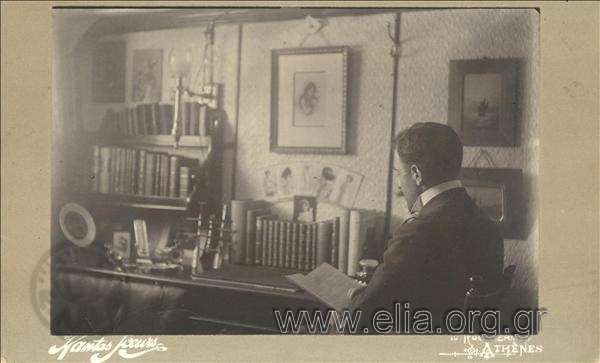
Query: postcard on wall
[{"x": 328, "y": 183}]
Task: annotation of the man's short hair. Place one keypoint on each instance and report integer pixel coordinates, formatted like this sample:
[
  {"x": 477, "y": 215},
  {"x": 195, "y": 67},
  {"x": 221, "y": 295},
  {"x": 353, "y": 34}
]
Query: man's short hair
[{"x": 435, "y": 148}]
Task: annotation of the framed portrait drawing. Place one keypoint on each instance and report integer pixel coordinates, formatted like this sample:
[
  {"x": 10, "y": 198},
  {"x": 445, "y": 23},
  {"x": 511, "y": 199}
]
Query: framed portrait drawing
[
  {"x": 308, "y": 100},
  {"x": 482, "y": 101},
  {"x": 497, "y": 192}
]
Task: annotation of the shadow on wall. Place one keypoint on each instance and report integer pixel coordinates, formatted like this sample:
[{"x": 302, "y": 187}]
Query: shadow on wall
[{"x": 353, "y": 87}]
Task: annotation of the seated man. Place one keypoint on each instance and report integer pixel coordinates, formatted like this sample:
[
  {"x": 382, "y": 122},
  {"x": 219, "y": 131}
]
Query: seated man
[{"x": 445, "y": 240}]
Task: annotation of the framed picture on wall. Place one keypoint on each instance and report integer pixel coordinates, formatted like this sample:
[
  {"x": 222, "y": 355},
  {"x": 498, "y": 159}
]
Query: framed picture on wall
[
  {"x": 108, "y": 72},
  {"x": 308, "y": 100},
  {"x": 497, "y": 192},
  {"x": 482, "y": 101},
  {"x": 146, "y": 84}
]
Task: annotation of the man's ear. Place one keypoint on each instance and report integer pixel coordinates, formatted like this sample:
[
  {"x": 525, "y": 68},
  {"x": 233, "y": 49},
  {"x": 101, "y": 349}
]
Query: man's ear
[{"x": 416, "y": 175}]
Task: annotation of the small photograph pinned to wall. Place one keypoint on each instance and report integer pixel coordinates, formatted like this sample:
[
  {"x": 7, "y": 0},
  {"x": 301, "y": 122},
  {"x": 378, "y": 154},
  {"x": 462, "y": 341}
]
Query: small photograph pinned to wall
[
  {"x": 328, "y": 183},
  {"x": 308, "y": 179},
  {"x": 338, "y": 185},
  {"x": 346, "y": 188},
  {"x": 269, "y": 183},
  {"x": 305, "y": 208},
  {"x": 287, "y": 183},
  {"x": 147, "y": 75}
]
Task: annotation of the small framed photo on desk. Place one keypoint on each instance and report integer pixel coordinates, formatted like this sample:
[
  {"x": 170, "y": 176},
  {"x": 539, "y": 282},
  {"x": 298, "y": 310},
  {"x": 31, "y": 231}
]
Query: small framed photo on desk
[
  {"x": 305, "y": 208},
  {"x": 122, "y": 244}
]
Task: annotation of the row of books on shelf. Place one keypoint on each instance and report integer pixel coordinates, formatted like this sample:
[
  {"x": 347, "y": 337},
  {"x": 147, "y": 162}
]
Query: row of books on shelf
[
  {"x": 141, "y": 172},
  {"x": 157, "y": 119},
  {"x": 262, "y": 238}
]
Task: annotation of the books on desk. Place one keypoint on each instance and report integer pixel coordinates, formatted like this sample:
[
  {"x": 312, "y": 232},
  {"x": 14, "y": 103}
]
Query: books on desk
[
  {"x": 239, "y": 209},
  {"x": 262, "y": 238},
  {"x": 329, "y": 285}
]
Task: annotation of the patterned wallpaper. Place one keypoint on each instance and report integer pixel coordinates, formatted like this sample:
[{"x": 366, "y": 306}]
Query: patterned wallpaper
[{"x": 369, "y": 100}]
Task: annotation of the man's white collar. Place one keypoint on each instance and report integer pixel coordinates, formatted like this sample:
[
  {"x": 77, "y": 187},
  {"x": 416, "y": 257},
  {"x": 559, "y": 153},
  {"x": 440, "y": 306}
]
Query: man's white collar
[{"x": 433, "y": 192}]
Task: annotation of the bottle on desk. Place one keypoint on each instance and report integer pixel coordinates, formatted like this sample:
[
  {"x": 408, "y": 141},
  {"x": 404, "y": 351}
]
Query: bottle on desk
[
  {"x": 199, "y": 248},
  {"x": 210, "y": 248}
]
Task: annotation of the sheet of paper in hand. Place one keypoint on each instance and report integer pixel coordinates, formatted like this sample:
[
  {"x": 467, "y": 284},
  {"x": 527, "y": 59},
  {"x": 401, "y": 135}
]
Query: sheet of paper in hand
[{"x": 328, "y": 284}]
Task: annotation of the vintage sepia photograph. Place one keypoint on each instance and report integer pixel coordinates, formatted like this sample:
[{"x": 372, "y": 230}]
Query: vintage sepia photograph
[
  {"x": 278, "y": 181},
  {"x": 322, "y": 159}
]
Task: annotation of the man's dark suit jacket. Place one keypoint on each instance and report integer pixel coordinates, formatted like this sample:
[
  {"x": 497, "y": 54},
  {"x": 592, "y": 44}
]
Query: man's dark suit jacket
[{"x": 430, "y": 258}]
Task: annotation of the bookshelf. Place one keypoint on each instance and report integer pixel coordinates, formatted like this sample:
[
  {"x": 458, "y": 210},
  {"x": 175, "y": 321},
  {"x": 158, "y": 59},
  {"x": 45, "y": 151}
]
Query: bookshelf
[
  {"x": 162, "y": 140},
  {"x": 136, "y": 139},
  {"x": 133, "y": 201}
]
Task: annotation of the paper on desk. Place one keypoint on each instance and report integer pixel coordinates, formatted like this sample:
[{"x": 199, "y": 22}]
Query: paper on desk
[{"x": 328, "y": 284}]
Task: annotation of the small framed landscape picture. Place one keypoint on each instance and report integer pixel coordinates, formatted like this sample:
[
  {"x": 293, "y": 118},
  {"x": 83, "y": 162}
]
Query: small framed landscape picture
[
  {"x": 305, "y": 208},
  {"x": 308, "y": 100},
  {"x": 482, "y": 101},
  {"x": 498, "y": 193}
]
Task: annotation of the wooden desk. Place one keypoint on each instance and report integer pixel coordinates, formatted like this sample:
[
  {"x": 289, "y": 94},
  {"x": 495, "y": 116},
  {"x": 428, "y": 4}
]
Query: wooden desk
[{"x": 235, "y": 299}]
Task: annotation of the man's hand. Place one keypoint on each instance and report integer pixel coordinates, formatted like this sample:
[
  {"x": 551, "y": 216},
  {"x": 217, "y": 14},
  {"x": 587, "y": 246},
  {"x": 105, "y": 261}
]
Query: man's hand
[{"x": 356, "y": 290}]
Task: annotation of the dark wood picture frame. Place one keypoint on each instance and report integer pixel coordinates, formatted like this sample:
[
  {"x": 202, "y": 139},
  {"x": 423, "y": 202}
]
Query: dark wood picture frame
[
  {"x": 108, "y": 72},
  {"x": 482, "y": 101},
  {"x": 295, "y": 127},
  {"x": 311, "y": 202},
  {"x": 486, "y": 185}
]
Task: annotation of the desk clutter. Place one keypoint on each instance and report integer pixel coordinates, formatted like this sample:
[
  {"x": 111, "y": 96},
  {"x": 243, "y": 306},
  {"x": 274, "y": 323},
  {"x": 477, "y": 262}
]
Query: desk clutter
[
  {"x": 263, "y": 238},
  {"x": 255, "y": 234}
]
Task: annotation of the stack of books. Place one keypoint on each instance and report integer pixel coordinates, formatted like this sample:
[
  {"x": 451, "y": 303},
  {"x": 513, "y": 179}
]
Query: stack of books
[
  {"x": 157, "y": 119},
  {"x": 262, "y": 238},
  {"x": 141, "y": 172}
]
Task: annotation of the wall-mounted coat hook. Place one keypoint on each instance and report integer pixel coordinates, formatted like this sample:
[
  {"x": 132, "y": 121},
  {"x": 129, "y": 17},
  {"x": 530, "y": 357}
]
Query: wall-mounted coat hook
[{"x": 395, "y": 50}]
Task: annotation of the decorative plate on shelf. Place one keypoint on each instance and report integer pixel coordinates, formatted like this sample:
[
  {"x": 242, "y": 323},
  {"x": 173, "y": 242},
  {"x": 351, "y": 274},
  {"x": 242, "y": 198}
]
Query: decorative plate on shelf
[{"x": 77, "y": 224}]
